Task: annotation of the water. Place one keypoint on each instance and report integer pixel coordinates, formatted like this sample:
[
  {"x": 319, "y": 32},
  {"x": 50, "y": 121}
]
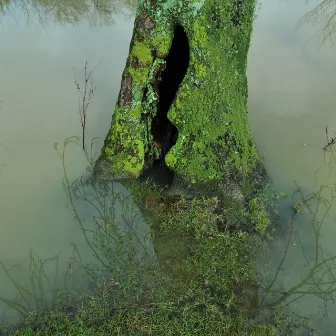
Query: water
[
  {"x": 39, "y": 108},
  {"x": 291, "y": 101}
]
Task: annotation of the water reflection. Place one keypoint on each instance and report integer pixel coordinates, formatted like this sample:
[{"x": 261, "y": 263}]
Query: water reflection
[
  {"x": 97, "y": 12},
  {"x": 323, "y": 17},
  {"x": 116, "y": 244},
  {"x": 291, "y": 101},
  {"x": 304, "y": 280},
  {"x": 39, "y": 107}
]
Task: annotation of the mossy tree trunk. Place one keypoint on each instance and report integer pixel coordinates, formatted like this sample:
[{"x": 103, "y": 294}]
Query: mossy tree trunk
[{"x": 183, "y": 97}]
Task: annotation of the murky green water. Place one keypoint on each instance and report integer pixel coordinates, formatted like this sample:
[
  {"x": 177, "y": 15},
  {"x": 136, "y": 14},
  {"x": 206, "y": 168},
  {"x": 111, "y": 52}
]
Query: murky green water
[{"x": 291, "y": 101}]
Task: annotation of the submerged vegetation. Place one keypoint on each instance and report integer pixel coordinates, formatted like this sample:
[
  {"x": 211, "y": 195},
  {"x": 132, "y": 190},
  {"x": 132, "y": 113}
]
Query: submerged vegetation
[
  {"x": 202, "y": 278},
  {"x": 207, "y": 275}
]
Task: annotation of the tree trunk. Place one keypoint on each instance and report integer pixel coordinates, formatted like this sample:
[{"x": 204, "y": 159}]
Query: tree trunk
[{"x": 183, "y": 97}]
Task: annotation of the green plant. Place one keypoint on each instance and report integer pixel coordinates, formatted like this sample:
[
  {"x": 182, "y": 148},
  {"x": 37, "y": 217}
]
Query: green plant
[
  {"x": 42, "y": 289},
  {"x": 86, "y": 95}
]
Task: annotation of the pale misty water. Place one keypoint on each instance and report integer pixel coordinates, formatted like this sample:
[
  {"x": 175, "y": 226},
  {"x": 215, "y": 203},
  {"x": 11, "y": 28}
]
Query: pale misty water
[
  {"x": 39, "y": 108},
  {"x": 291, "y": 101}
]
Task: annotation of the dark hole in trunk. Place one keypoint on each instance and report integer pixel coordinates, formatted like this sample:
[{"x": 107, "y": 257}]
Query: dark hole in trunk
[{"x": 163, "y": 131}]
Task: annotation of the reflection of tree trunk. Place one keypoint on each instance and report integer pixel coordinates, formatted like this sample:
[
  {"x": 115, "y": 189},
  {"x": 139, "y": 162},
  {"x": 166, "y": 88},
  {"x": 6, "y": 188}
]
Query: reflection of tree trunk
[{"x": 183, "y": 94}]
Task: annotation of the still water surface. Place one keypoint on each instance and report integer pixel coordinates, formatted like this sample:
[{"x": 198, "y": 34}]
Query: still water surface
[
  {"x": 39, "y": 108},
  {"x": 291, "y": 100}
]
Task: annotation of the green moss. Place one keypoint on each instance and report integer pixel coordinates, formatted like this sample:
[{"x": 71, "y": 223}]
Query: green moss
[
  {"x": 136, "y": 112},
  {"x": 212, "y": 102},
  {"x": 199, "y": 38},
  {"x": 139, "y": 75},
  {"x": 127, "y": 134},
  {"x": 200, "y": 70},
  {"x": 210, "y": 109},
  {"x": 142, "y": 52},
  {"x": 170, "y": 160},
  {"x": 161, "y": 43},
  {"x": 108, "y": 152}
]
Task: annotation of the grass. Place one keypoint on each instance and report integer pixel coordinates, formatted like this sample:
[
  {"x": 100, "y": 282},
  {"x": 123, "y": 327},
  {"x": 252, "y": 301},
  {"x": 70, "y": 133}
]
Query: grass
[
  {"x": 205, "y": 276},
  {"x": 203, "y": 280}
]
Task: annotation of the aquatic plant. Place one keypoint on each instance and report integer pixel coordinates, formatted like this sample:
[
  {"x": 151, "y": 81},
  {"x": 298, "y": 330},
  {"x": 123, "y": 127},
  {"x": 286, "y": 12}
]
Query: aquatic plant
[
  {"x": 86, "y": 94},
  {"x": 111, "y": 237},
  {"x": 42, "y": 289},
  {"x": 202, "y": 279}
]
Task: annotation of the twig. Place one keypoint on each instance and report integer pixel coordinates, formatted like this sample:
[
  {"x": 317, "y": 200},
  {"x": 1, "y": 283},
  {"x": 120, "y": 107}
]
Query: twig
[
  {"x": 86, "y": 95},
  {"x": 330, "y": 142}
]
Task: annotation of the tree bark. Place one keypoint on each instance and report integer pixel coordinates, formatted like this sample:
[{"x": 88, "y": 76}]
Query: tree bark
[{"x": 183, "y": 97}]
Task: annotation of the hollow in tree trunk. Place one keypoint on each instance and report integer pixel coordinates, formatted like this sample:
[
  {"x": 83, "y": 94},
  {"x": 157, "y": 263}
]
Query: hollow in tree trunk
[{"x": 183, "y": 97}]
